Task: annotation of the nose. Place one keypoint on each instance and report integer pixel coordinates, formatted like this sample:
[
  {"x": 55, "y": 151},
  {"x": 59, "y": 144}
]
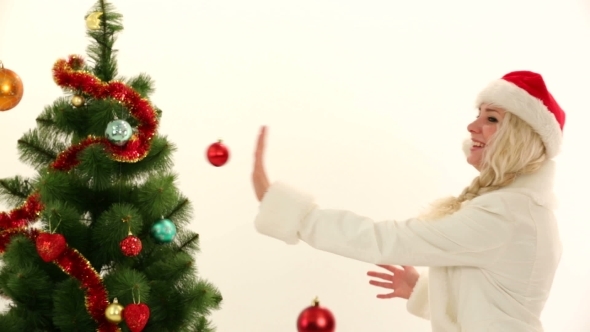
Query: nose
[{"x": 473, "y": 127}]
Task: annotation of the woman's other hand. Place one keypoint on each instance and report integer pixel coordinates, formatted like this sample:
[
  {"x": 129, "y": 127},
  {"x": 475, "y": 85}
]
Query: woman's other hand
[{"x": 400, "y": 280}]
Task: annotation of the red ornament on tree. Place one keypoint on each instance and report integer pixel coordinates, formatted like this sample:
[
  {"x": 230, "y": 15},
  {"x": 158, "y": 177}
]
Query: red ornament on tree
[
  {"x": 218, "y": 154},
  {"x": 130, "y": 246},
  {"x": 136, "y": 316},
  {"x": 316, "y": 319},
  {"x": 50, "y": 246}
]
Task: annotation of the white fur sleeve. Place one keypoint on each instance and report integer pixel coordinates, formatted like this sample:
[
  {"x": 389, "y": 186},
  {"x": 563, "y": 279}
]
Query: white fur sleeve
[
  {"x": 418, "y": 303},
  {"x": 281, "y": 211},
  {"x": 474, "y": 236}
]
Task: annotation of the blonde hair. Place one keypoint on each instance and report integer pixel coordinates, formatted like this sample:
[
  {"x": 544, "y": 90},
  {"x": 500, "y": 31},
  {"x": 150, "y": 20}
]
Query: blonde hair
[{"x": 513, "y": 150}]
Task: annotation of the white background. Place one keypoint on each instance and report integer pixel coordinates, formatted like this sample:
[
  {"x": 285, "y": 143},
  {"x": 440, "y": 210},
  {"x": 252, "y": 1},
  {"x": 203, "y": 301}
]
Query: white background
[{"x": 367, "y": 104}]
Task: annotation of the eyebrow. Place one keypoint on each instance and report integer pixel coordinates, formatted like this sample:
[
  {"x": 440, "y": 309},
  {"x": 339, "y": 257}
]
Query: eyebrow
[{"x": 489, "y": 110}]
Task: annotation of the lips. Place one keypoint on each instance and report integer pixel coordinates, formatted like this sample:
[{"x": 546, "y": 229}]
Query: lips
[{"x": 476, "y": 145}]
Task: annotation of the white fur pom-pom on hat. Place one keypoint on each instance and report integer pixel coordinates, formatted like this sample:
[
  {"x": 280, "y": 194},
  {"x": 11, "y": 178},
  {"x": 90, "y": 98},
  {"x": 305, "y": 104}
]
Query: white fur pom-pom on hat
[
  {"x": 467, "y": 144},
  {"x": 524, "y": 94}
]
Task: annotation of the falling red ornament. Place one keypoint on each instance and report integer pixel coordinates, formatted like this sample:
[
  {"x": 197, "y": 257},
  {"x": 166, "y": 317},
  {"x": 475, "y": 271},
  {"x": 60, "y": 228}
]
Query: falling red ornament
[
  {"x": 130, "y": 246},
  {"x": 316, "y": 319},
  {"x": 50, "y": 246},
  {"x": 136, "y": 316},
  {"x": 218, "y": 154}
]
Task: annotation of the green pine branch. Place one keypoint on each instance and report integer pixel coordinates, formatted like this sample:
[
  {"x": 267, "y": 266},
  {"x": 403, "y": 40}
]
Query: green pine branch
[
  {"x": 48, "y": 120},
  {"x": 192, "y": 242},
  {"x": 39, "y": 148},
  {"x": 142, "y": 84},
  {"x": 45, "y": 122},
  {"x": 101, "y": 49},
  {"x": 15, "y": 190},
  {"x": 63, "y": 119},
  {"x": 158, "y": 161},
  {"x": 181, "y": 212}
]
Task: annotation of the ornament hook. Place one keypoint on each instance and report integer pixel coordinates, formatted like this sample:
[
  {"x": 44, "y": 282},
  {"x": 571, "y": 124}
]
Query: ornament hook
[
  {"x": 138, "y": 294},
  {"x": 51, "y": 231}
]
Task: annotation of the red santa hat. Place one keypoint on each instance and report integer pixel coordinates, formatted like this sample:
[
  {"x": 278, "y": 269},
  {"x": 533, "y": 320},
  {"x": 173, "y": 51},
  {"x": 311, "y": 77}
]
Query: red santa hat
[{"x": 524, "y": 94}]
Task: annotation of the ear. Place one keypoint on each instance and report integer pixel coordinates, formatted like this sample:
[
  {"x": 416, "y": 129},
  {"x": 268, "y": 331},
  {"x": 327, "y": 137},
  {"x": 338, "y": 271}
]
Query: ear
[{"x": 467, "y": 147}]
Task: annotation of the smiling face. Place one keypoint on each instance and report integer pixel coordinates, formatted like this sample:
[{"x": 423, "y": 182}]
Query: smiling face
[{"x": 481, "y": 130}]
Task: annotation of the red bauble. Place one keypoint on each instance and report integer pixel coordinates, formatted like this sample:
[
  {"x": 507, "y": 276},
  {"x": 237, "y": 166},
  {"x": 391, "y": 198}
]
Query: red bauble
[
  {"x": 316, "y": 319},
  {"x": 136, "y": 316},
  {"x": 218, "y": 154},
  {"x": 131, "y": 246},
  {"x": 50, "y": 246}
]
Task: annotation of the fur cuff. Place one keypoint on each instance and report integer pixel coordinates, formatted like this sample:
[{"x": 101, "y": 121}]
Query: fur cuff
[
  {"x": 281, "y": 212},
  {"x": 418, "y": 303}
]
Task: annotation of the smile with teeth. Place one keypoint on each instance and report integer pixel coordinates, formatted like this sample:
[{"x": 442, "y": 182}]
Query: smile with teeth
[{"x": 478, "y": 145}]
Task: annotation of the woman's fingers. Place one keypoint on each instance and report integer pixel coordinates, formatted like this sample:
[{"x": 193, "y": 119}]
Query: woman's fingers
[
  {"x": 391, "y": 268},
  {"x": 381, "y": 284},
  {"x": 259, "y": 154},
  {"x": 381, "y": 275},
  {"x": 386, "y": 296}
]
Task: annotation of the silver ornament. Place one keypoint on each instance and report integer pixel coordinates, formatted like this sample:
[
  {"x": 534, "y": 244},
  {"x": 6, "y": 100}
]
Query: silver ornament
[{"x": 118, "y": 132}]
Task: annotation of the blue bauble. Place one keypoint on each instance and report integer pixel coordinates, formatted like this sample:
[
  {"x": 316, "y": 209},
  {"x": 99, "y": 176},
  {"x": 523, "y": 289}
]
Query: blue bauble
[
  {"x": 119, "y": 132},
  {"x": 164, "y": 231}
]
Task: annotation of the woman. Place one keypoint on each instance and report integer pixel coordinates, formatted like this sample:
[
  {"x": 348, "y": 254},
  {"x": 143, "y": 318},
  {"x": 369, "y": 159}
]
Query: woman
[{"x": 491, "y": 252}]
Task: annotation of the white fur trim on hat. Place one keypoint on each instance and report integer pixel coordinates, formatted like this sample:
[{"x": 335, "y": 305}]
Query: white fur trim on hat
[{"x": 517, "y": 101}]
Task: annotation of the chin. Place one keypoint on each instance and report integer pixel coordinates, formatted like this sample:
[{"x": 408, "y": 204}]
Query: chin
[
  {"x": 467, "y": 144},
  {"x": 475, "y": 163}
]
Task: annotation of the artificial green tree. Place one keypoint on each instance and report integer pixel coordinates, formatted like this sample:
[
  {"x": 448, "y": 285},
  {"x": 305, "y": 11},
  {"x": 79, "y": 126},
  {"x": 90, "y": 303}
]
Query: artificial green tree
[{"x": 97, "y": 239}]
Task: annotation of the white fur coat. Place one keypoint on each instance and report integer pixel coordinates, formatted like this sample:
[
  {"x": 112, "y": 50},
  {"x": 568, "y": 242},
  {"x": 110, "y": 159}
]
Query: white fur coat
[{"x": 491, "y": 264}]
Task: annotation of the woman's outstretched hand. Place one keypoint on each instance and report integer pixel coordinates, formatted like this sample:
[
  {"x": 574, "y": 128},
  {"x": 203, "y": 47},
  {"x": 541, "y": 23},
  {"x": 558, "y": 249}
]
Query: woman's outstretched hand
[
  {"x": 400, "y": 280},
  {"x": 259, "y": 179}
]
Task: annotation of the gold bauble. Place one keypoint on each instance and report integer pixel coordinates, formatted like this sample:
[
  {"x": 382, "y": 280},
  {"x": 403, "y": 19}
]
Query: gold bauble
[
  {"x": 77, "y": 100},
  {"x": 113, "y": 312},
  {"x": 93, "y": 21},
  {"x": 11, "y": 88}
]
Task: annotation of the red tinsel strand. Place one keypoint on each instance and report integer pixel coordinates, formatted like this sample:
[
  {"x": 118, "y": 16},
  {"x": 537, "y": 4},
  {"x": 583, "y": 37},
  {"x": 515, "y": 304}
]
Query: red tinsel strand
[
  {"x": 68, "y": 159},
  {"x": 7, "y": 235},
  {"x": 76, "y": 266},
  {"x": 23, "y": 215},
  {"x": 138, "y": 146},
  {"x": 96, "y": 297}
]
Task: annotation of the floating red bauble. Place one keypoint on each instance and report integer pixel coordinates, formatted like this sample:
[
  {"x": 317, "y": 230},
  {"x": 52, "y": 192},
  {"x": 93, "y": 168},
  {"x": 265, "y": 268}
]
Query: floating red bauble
[
  {"x": 217, "y": 154},
  {"x": 316, "y": 319}
]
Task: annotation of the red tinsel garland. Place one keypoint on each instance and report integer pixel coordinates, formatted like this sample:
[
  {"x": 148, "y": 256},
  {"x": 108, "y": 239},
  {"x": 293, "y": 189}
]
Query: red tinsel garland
[
  {"x": 7, "y": 235},
  {"x": 96, "y": 297},
  {"x": 24, "y": 215},
  {"x": 16, "y": 221},
  {"x": 78, "y": 267},
  {"x": 65, "y": 75}
]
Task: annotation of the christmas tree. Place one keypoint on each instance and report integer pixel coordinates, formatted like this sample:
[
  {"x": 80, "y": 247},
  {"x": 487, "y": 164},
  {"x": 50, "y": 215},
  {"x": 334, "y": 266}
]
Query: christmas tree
[{"x": 96, "y": 239}]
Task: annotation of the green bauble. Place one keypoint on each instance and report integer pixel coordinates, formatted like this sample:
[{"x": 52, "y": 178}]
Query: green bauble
[
  {"x": 119, "y": 132},
  {"x": 164, "y": 231}
]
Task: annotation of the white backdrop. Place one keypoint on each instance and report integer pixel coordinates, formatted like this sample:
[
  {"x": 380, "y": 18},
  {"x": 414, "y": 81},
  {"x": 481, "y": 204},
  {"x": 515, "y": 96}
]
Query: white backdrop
[{"x": 367, "y": 104}]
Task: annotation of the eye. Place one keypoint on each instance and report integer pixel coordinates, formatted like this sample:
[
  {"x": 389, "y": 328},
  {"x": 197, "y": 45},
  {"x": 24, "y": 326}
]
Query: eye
[{"x": 492, "y": 119}]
